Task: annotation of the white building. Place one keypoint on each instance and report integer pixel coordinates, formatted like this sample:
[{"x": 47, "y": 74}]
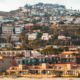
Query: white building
[
  {"x": 7, "y": 29},
  {"x": 69, "y": 19},
  {"x": 2, "y": 45},
  {"x": 77, "y": 21},
  {"x": 14, "y": 37},
  {"x": 18, "y": 30},
  {"x": 61, "y": 37},
  {"x": 32, "y": 36},
  {"x": 45, "y": 36}
]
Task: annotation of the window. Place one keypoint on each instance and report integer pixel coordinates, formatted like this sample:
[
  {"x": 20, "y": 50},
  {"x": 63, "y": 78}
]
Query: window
[
  {"x": 23, "y": 61},
  {"x": 66, "y": 56},
  {"x": 19, "y": 62}
]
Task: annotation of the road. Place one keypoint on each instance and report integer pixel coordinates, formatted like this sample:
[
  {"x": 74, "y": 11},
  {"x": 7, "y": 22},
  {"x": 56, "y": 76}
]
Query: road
[{"x": 40, "y": 79}]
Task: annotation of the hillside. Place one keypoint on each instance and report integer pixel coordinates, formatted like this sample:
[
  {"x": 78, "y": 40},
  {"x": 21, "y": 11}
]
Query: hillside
[{"x": 4, "y": 13}]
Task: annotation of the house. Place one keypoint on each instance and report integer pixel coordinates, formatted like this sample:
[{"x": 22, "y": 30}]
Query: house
[
  {"x": 7, "y": 29},
  {"x": 35, "y": 53},
  {"x": 28, "y": 26},
  {"x": 30, "y": 57},
  {"x": 45, "y": 36},
  {"x": 69, "y": 57},
  {"x": 14, "y": 37},
  {"x": 18, "y": 45},
  {"x": 18, "y": 29},
  {"x": 37, "y": 59},
  {"x": 69, "y": 19},
  {"x": 77, "y": 21},
  {"x": 19, "y": 60},
  {"x": 2, "y": 45},
  {"x": 13, "y": 53},
  {"x": 32, "y": 36},
  {"x": 65, "y": 70},
  {"x": 73, "y": 48},
  {"x": 61, "y": 37},
  {"x": 62, "y": 67}
]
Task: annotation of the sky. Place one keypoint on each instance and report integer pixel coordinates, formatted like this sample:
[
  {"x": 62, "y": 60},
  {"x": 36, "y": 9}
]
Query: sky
[{"x": 8, "y": 5}]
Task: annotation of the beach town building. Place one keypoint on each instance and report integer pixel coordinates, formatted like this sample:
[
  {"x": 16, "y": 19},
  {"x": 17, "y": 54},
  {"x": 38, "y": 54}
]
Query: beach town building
[
  {"x": 45, "y": 36},
  {"x": 32, "y": 36}
]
